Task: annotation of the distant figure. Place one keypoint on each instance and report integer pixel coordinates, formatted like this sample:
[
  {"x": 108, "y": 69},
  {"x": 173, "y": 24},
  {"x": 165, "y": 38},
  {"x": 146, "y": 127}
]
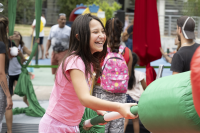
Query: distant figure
[
  {"x": 42, "y": 24},
  {"x": 165, "y": 55},
  {"x": 59, "y": 38},
  {"x": 185, "y": 32},
  {"x": 127, "y": 36}
]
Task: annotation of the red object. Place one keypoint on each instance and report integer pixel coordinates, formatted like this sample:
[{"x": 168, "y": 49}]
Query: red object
[
  {"x": 73, "y": 16},
  {"x": 151, "y": 74},
  {"x": 195, "y": 79},
  {"x": 146, "y": 35}
]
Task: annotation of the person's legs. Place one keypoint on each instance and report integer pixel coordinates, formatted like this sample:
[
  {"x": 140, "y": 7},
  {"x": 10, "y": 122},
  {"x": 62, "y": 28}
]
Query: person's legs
[
  {"x": 9, "y": 120},
  {"x": 53, "y": 62},
  {"x": 3, "y": 105},
  {"x": 136, "y": 125},
  {"x": 115, "y": 126},
  {"x": 125, "y": 124},
  {"x": 8, "y": 113},
  {"x": 60, "y": 56},
  {"x": 41, "y": 47},
  {"x": 25, "y": 100}
]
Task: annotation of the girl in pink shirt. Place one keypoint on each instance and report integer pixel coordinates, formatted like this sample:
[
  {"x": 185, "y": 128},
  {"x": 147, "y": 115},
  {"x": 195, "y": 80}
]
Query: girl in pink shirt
[{"x": 70, "y": 94}]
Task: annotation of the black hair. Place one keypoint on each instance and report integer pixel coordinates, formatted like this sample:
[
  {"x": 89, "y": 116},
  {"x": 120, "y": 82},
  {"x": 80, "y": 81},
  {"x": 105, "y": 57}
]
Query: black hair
[
  {"x": 21, "y": 42},
  {"x": 3, "y": 31},
  {"x": 81, "y": 46},
  {"x": 132, "y": 79},
  {"x": 114, "y": 29}
]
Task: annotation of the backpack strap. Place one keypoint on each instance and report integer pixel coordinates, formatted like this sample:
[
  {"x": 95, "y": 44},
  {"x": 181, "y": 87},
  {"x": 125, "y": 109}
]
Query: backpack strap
[{"x": 121, "y": 49}]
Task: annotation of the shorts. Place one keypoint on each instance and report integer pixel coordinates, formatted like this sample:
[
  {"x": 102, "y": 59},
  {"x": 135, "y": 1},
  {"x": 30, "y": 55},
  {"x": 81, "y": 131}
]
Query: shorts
[
  {"x": 12, "y": 79},
  {"x": 129, "y": 99},
  {"x": 41, "y": 40},
  {"x": 3, "y": 104},
  {"x": 115, "y": 126},
  {"x": 56, "y": 59},
  {"x": 50, "y": 125}
]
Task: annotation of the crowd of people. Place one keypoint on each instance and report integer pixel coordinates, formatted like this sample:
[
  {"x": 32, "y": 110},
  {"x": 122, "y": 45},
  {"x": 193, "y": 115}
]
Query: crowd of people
[{"x": 89, "y": 57}]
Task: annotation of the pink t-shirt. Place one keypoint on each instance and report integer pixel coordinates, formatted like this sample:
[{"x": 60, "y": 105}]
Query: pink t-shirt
[{"x": 64, "y": 104}]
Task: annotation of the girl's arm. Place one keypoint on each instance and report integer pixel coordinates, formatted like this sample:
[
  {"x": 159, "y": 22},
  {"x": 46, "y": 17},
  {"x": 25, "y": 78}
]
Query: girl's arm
[
  {"x": 3, "y": 81},
  {"x": 26, "y": 50},
  {"x": 143, "y": 83},
  {"x": 130, "y": 63},
  {"x": 82, "y": 91}
]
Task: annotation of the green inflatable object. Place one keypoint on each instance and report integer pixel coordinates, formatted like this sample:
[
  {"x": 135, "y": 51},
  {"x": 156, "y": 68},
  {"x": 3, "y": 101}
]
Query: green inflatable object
[
  {"x": 24, "y": 85},
  {"x": 88, "y": 114},
  {"x": 166, "y": 106}
]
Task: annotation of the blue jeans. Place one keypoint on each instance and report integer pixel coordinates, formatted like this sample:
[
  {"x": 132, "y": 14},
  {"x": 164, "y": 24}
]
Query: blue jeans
[{"x": 129, "y": 44}]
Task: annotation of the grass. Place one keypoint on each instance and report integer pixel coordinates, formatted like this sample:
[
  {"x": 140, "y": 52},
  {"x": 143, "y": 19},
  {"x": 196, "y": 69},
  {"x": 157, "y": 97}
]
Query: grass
[{"x": 26, "y": 30}]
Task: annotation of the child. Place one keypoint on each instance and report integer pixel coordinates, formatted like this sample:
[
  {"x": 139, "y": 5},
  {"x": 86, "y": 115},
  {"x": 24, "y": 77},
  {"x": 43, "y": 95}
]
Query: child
[
  {"x": 133, "y": 94},
  {"x": 14, "y": 67},
  {"x": 113, "y": 31},
  {"x": 73, "y": 79}
]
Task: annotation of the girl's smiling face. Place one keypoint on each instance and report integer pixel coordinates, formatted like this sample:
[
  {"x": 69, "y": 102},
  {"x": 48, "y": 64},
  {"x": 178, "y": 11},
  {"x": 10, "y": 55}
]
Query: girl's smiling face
[{"x": 97, "y": 36}]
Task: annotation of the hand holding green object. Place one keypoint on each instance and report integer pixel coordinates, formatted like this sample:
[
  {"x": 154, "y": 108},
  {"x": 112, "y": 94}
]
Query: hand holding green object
[{"x": 108, "y": 117}]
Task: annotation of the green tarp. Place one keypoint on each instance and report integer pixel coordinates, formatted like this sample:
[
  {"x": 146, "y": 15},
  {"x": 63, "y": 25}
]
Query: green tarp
[{"x": 24, "y": 85}]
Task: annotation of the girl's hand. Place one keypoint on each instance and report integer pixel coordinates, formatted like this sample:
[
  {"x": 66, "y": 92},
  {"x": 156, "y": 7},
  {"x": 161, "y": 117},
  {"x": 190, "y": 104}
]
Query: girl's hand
[
  {"x": 100, "y": 112},
  {"x": 124, "y": 110},
  {"x": 9, "y": 103}
]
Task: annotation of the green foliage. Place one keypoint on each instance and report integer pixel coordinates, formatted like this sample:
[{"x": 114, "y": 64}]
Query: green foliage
[
  {"x": 23, "y": 7},
  {"x": 66, "y": 6},
  {"x": 108, "y": 6},
  {"x": 192, "y": 8}
]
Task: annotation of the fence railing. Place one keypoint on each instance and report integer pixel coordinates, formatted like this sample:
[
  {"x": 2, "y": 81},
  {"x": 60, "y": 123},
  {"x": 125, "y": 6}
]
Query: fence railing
[{"x": 168, "y": 24}]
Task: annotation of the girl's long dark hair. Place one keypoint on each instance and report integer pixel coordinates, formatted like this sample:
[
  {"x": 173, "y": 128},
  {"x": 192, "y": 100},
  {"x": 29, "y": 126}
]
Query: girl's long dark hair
[
  {"x": 132, "y": 79},
  {"x": 114, "y": 29},
  {"x": 3, "y": 31},
  {"x": 81, "y": 46},
  {"x": 21, "y": 39}
]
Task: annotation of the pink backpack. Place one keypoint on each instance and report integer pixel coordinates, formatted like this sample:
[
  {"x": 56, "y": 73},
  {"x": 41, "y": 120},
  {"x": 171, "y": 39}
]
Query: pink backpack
[{"x": 114, "y": 77}]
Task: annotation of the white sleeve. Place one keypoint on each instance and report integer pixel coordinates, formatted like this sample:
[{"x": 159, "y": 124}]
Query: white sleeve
[
  {"x": 34, "y": 22},
  {"x": 140, "y": 75}
]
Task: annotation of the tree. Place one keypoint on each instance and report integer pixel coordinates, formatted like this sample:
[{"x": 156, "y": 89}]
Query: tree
[
  {"x": 109, "y": 6},
  {"x": 192, "y": 8},
  {"x": 22, "y": 5}
]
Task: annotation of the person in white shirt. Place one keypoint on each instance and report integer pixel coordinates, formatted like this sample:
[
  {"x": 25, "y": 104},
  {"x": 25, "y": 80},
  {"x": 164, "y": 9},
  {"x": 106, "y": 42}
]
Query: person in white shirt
[
  {"x": 59, "y": 37},
  {"x": 41, "y": 35},
  {"x": 133, "y": 93}
]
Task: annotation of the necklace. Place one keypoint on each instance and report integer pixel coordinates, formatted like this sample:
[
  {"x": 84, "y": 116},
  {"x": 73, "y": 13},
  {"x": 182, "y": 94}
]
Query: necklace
[{"x": 187, "y": 44}]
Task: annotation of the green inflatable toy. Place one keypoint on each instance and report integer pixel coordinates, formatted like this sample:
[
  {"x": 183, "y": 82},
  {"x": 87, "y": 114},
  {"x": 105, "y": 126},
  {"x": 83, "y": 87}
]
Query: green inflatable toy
[{"x": 166, "y": 106}]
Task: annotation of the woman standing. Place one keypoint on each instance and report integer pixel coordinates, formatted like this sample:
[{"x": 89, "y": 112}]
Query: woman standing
[
  {"x": 14, "y": 71},
  {"x": 4, "y": 61}
]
